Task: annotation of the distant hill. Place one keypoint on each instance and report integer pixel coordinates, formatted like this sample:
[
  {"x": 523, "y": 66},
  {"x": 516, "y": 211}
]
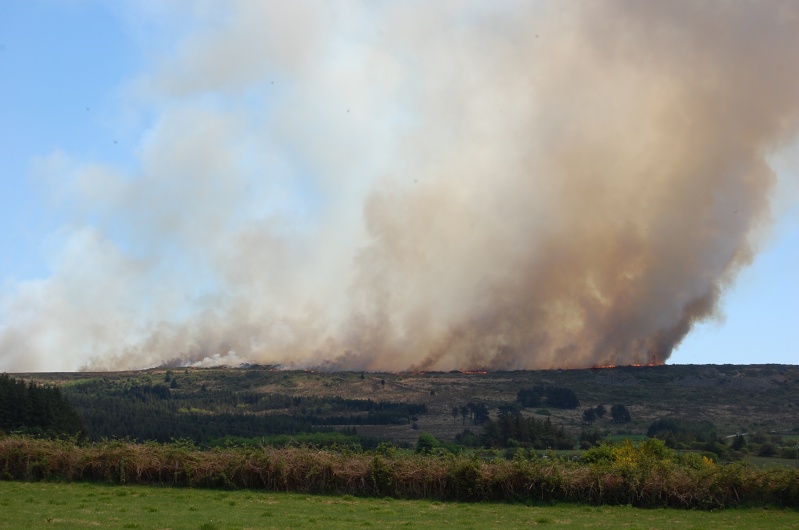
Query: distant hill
[{"x": 252, "y": 401}]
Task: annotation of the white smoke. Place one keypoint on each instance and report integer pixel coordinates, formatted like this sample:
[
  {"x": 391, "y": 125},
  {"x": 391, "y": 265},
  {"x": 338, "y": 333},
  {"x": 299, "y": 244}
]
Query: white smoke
[{"x": 434, "y": 185}]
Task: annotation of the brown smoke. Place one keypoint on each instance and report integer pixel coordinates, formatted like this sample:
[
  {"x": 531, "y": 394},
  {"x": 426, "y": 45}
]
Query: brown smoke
[{"x": 429, "y": 186}]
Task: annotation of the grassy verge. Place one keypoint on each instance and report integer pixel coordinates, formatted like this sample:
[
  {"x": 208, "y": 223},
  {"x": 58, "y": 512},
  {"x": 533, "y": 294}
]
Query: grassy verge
[{"x": 84, "y": 505}]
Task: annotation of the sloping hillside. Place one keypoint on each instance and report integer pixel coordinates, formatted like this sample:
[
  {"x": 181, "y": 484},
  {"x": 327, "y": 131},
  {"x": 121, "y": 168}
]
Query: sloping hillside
[{"x": 753, "y": 398}]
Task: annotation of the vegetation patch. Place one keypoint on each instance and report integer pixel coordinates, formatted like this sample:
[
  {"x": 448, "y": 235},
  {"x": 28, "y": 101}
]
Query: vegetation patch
[{"x": 647, "y": 474}]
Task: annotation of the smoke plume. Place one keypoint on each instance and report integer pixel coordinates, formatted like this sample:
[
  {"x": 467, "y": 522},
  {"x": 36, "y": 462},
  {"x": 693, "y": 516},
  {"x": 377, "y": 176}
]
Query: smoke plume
[{"x": 421, "y": 185}]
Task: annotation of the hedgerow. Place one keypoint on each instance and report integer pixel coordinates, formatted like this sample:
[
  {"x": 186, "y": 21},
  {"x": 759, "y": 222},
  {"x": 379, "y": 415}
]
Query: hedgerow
[{"x": 644, "y": 475}]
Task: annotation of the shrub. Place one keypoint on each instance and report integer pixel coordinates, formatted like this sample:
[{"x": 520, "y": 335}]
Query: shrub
[
  {"x": 767, "y": 449},
  {"x": 682, "y": 430},
  {"x": 426, "y": 443}
]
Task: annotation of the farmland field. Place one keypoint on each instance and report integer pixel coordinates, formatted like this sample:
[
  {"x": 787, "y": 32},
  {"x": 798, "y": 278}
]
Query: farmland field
[{"x": 86, "y": 505}]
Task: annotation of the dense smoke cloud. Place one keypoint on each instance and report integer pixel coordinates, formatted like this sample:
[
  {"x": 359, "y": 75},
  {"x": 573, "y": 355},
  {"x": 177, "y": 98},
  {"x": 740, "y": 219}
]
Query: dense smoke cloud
[{"x": 424, "y": 185}]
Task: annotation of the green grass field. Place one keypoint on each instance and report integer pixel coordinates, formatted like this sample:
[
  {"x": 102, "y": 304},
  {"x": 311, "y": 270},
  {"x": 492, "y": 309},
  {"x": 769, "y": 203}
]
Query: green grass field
[
  {"x": 81, "y": 505},
  {"x": 770, "y": 462}
]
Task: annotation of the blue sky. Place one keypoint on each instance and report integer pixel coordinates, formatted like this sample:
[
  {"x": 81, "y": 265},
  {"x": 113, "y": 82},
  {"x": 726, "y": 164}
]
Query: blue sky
[
  {"x": 69, "y": 72},
  {"x": 761, "y": 309},
  {"x": 63, "y": 65}
]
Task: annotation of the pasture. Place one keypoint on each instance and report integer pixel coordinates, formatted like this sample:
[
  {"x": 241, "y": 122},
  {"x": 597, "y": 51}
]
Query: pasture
[{"x": 89, "y": 505}]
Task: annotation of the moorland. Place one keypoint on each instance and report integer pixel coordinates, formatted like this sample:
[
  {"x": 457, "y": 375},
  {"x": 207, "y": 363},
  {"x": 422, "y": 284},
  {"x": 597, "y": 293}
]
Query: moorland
[{"x": 758, "y": 402}]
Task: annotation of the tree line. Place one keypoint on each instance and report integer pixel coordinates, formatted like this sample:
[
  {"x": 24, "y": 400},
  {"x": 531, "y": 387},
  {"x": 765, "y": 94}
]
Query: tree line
[
  {"x": 618, "y": 414},
  {"x": 513, "y": 429},
  {"x": 551, "y": 396},
  {"x": 148, "y": 410},
  {"x": 35, "y": 409}
]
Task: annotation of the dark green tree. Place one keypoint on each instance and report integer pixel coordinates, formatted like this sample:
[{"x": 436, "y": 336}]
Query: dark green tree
[
  {"x": 589, "y": 438},
  {"x": 427, "y": 443},
  {"x": 530, "y": 397},
  {"x": 558, "y": 397},
  {"x": 464, "y": 413},
  {"x": 684, "y": 431},
  {"x": 36, "y": 409},
  {"x": 620, "y": 414},
  {"x": 478, "y": 413},
  {"x": 562, "y": 398}
]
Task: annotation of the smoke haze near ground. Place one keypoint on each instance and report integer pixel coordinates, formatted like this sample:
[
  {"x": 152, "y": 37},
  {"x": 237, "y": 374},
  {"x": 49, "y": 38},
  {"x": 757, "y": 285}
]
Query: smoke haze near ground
[{"x": 417, "y": 185}]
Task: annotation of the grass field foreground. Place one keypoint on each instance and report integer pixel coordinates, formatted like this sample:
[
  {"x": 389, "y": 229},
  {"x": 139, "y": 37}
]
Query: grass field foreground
[{"x": 88, "y": 505}]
